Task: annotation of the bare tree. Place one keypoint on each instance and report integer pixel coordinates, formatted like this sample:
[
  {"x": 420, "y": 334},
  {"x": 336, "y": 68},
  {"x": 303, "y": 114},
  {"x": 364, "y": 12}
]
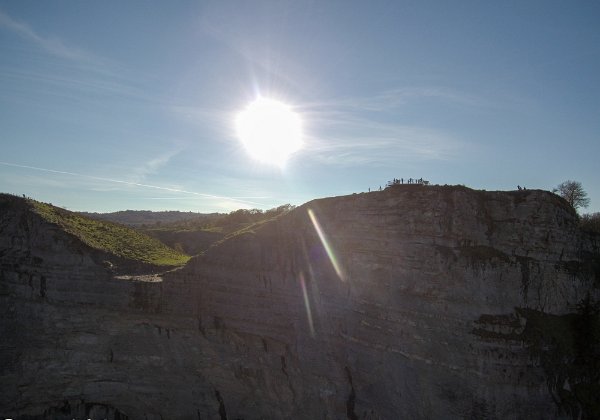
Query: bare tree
[
  {"x": 591, "y": 222},
  {"x": 573, "y": 192}
]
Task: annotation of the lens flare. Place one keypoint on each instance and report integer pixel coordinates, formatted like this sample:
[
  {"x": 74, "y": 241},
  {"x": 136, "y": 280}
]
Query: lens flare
[
  {"x": 307, "y": 306},
  {"x": 328, "y": 249}
]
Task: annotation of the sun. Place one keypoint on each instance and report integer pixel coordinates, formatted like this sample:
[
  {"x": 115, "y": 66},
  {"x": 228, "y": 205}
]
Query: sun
[{"x": 270, "y": 131}]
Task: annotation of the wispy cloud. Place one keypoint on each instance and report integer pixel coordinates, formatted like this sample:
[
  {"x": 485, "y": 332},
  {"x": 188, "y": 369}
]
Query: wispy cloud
[
  {"x": 394, "y": 98},
  {"x": 51, "y": 45},
  {"x": 219, "y": 199},
  {"x": 150, "y": 167},
  {"x": 75, "y": 71},
  {"x": 98, "y": 83},
  {"x": 350, "y": 131},
  {"x": 384, "y": 145}
]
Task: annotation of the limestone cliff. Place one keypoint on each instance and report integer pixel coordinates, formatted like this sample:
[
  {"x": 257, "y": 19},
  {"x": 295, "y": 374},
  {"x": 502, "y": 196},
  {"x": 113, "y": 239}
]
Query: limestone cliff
[{"x": 425, "y": 302}]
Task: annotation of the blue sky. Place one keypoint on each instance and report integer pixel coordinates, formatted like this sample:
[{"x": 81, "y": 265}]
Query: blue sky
[{"x": 118, "y": 105}]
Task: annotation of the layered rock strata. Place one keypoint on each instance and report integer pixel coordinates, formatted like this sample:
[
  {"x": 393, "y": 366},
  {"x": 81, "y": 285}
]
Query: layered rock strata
[{"x": 413, "y": 302}]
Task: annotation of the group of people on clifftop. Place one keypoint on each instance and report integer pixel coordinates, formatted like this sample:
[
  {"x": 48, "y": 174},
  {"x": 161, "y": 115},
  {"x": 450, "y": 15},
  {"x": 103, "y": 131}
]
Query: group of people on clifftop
[{"x": 401, "y": 181}]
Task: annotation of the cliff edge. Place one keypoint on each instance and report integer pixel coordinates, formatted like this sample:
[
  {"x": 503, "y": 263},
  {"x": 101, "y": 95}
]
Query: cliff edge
[{"x": 412, "y": 302}]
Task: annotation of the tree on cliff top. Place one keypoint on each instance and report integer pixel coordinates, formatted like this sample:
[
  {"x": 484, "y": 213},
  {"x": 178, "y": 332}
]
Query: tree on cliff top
[{"x": 573, "y": 192}]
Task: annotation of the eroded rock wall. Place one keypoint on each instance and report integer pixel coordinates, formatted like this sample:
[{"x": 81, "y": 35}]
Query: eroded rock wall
[{"x": 432, "y": 309}]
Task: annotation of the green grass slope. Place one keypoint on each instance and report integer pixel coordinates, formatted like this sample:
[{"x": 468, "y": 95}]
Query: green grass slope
[
  {"x": 194, "y": 236},
  {"x": 111, "y": 237}
]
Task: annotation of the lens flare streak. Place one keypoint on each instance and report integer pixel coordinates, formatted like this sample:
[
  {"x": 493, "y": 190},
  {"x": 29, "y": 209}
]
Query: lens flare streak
[
  {"x": 307, "y": 306},
  {"x": 328, "y": 249}
]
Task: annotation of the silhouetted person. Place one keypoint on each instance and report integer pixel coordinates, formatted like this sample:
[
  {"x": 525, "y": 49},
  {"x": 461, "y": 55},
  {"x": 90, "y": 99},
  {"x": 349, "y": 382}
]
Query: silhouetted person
[
  {"x": 519, "y": 187},
  {"x": 402, "y": 180}
]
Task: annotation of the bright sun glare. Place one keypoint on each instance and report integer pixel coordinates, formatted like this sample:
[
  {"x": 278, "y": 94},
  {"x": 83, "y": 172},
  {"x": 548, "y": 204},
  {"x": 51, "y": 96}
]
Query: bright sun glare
[{"x": 269, "y": 130}]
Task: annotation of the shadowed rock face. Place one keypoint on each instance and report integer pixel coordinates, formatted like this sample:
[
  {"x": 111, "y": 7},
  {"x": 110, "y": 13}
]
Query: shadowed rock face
[{"x": 446, "y": 303}]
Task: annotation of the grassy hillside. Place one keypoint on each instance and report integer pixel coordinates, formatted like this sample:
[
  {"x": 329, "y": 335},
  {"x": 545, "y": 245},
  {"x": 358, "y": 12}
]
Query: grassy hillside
[
  {"x": 194, "y": 236},
  {"x": 110, "y": 237},
  {"x": 147, "y": 218}
]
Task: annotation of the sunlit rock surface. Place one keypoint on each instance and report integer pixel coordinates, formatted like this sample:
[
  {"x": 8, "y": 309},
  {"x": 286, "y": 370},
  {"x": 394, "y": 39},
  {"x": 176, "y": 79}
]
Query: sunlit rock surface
[{"x": 447, "y": 303}]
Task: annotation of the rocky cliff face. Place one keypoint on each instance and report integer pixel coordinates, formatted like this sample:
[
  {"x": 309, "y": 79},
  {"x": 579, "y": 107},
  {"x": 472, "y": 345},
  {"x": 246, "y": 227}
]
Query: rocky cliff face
[{"x": 413, "y": 302}]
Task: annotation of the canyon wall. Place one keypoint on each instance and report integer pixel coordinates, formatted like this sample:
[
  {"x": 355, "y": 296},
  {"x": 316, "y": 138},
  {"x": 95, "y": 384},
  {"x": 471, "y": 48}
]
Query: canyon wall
[{"x": 412, "y": 302}]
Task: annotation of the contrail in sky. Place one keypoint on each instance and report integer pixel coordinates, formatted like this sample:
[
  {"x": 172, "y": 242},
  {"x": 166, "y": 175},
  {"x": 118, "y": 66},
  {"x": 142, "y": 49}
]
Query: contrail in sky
[{"x": 130, "y": 183}]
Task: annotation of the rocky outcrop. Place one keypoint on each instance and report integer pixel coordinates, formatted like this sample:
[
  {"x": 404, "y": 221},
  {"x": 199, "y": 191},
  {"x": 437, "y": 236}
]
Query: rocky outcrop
[{"x": 413, "y": 302}]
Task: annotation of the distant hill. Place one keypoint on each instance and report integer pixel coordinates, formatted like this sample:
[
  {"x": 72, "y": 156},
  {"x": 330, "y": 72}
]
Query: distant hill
[
  {"x": 111, "y": 238},
  {"x": 147, "y": 217},
  {"x": 196, "y": 235},
  {"x": 188, "y": 232}
]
